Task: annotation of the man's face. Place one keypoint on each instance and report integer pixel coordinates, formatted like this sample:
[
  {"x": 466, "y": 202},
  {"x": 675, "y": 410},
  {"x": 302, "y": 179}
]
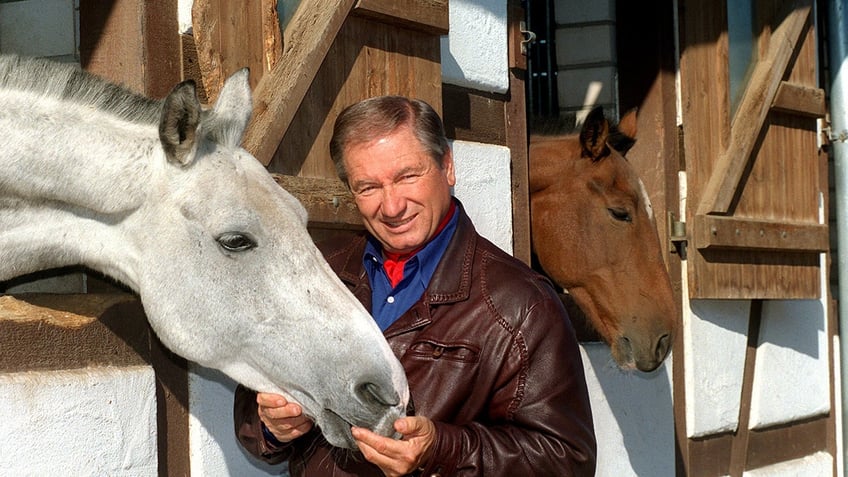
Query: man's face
[{"x": 399, "y": 189}]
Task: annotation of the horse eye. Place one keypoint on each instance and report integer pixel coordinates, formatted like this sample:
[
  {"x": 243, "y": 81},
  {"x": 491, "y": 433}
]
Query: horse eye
[
  {"x": 620, "y": 214},
  {"x": 236, "y": 242}
]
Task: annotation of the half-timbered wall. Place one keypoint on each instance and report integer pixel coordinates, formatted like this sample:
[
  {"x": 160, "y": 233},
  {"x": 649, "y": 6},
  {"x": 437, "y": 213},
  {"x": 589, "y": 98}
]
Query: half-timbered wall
[
  {"x": 757, "y": 393},
  {"x": 749, "y": 386}
]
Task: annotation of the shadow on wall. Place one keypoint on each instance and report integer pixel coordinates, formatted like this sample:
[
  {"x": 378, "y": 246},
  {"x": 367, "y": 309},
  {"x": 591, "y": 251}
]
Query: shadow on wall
[
  {"x": 633, "y": 414},
  {"x": 215, "y": 449}
]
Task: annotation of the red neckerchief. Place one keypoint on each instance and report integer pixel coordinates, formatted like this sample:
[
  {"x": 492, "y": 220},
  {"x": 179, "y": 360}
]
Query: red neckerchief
[{"x": 394, "y": 263}]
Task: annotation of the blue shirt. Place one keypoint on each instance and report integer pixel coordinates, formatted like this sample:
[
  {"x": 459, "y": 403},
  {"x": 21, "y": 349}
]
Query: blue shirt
[{"x": 387, "y": 303}]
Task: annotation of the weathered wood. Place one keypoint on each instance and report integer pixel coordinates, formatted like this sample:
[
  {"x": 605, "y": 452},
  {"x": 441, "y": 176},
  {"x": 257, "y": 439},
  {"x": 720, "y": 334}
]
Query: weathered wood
[
  {"x": 430, "y": 16},
  {"x": 233, "y": 35},
  {"x": 328, "y": 201},
  {"x": 473, "y": 115},
  {"x": 368, "y": 58},
  {"x": 753, "y": 109},
  {"x": 800, "y": 100},
  {"x": 131, "y": 42},
  {"x": 277, "y": 97},
  {"x": 515, "y": 125},
  {"x": 717, "y": 232}
]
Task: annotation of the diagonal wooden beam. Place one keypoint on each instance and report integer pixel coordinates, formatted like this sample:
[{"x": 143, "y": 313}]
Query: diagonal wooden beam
[
  {"x": 753, "y": 110},
  {"x": 309, "y": 36}
]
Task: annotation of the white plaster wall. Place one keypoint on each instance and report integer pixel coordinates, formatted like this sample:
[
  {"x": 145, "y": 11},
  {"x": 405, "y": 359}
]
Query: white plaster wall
[
  {"x": 213, "y": 447},
  {"x": 474, "y": 53},
  {"x": 791, "y": 374},
  {"x": 484, "y": 185},
  {"x": 633, "y": 415},
  {"x": 89, "y": 422},
  {"x": 715, "y": 340}
]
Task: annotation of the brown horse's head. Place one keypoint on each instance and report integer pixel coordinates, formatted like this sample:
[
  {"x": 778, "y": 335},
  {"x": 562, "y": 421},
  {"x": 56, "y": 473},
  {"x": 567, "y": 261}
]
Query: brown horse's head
[{"x": 594, "y": 234}]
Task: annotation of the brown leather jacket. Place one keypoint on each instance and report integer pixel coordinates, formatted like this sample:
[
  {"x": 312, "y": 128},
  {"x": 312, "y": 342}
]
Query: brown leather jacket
[{"x": 490, "y": 357}]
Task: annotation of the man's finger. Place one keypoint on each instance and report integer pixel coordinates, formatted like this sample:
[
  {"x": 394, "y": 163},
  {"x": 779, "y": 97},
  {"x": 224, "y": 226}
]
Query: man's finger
[{"x": 270, "y": 400}]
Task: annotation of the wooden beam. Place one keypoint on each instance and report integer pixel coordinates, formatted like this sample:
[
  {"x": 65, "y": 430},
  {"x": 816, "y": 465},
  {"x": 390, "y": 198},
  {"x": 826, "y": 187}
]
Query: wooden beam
[
  {"x": 800, "y": 100},
  {"x": 753, "y": 110},
  {"x": 430, "y": 16},
  {"x": 739, "y": 448},
  {"x": 309, "y": 35},
  {"x": 328, "y": 201},
  {"x": 233, "y": 35},
  {"x": 718, "y": 232}
]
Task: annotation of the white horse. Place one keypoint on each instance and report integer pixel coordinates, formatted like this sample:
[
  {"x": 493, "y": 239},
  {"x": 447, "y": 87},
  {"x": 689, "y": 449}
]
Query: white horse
[{"x": 160, "y": 196}]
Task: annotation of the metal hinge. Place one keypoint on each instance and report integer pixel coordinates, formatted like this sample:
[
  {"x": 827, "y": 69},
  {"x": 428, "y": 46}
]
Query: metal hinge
[
  {"x": 529, "y": 37},
  {"x": 826, "y": 135},
  {"x": 677, "y": 235}
]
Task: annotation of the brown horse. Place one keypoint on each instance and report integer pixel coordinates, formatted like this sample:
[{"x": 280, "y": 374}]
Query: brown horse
[{"x": 593, "y": 233}]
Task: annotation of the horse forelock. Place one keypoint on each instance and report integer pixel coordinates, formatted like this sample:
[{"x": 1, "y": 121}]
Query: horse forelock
[{"x": 66, "y": 82}]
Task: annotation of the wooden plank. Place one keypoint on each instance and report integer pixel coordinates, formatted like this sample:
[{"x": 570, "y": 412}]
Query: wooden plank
[
  {"x": 739, "y": 449},
  {"x": 368, "y": 58},
  {"x": 277, "y": 97},
  {"x": 474, "y": 115},
  {"x": 790, "y": 441},
  {"x": 131, "y": 42},
  {"x": 430, "y": 16},
  {"x": 800, "y": 100},
  {"x": 753, "y": 109},
  {"x": 328, "y": 201},
  {"x": 233, "y": 35},
  {"x": 515, "y": 125},
  {"x": 718, "y": 232}
]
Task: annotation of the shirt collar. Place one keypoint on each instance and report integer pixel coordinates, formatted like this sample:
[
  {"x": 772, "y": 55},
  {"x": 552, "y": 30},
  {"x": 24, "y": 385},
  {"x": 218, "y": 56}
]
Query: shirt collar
[{"x": 427, "y": 257}]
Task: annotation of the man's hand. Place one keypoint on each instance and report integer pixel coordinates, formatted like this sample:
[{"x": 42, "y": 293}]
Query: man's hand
[
  {"x": 398, "y": 457},
  {"x": 284, "y": 419}
]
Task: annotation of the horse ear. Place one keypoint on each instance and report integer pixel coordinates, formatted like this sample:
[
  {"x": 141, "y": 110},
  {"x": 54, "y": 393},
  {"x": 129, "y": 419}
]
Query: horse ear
[
  {"x": 593, "y": 136},
  {"x": 178, "y": 123},
  {"x": 623, "y": 136},
  {"x": 227, "y": 121},
  {"x": 627, "y": 124}
]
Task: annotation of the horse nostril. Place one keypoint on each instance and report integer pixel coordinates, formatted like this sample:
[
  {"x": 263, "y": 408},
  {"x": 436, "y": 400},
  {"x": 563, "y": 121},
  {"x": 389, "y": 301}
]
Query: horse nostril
[
  {"x": 373, "y": 393},
  {"x": 663, "y": 345}
]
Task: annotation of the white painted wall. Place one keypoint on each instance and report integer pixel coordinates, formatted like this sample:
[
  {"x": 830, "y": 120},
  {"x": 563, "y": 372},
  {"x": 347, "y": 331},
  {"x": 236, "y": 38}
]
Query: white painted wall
[
  {"x": 633, "y": 415},
  {"x": 474, "y": 53},
  {"x": 715, "y": 339},
  {"x": 88, "y": 422},
  {"x": 483, "y": 185}
]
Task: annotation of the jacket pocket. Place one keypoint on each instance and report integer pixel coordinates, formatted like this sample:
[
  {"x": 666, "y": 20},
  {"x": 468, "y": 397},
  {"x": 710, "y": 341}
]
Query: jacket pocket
[{"x": 436, "y": 350}]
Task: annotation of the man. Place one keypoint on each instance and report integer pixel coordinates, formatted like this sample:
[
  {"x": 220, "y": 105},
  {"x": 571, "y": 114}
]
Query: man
[{"x": 492, "y": 362}]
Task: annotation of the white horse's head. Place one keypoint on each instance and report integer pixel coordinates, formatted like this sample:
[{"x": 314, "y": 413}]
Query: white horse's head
[
  {"x": 217, "y": 251},
  {"x": 230, "y": 278}
]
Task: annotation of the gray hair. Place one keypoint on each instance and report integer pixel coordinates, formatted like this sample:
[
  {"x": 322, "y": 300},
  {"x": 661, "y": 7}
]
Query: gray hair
[{"x": 381, "y": 115}]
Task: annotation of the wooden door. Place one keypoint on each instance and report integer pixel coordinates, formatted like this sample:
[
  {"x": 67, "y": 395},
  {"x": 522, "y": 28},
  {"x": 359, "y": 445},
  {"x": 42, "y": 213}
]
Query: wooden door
[{"x": 756, "y": 176}]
